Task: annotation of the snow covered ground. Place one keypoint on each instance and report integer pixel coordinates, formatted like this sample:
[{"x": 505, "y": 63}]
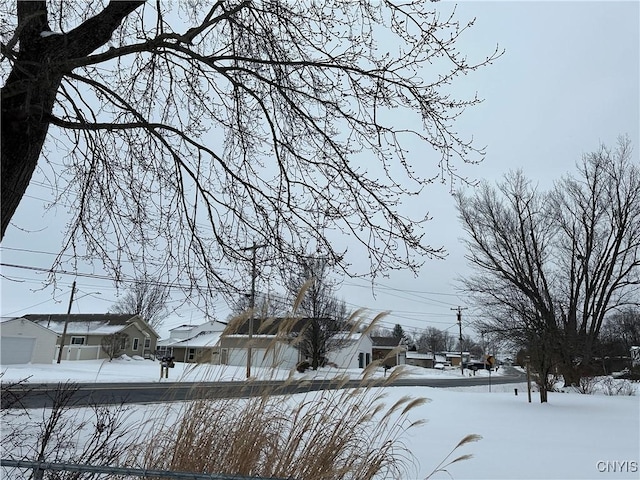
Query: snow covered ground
[{"x": 572, "y": 437}]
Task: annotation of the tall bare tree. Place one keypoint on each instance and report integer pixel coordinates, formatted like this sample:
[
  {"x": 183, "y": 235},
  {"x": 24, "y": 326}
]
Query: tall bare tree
[
  {"x": 178, "y": 131},
  {"x": 326, "y": 316},
  {"x": 265, "y": 305},
  {"x": 147, "y": 298},
  {"x": 550, "y": 266},
  {"x": 598, "y": 214},
  {"x": 434, "y": 340},
  {"x": 621, "y": 331}
]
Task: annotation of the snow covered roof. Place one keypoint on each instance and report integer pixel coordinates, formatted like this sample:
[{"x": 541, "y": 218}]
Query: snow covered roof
[
  {"x": 347, "y": 336},
  {"x": 84, "y": 324},
  {"x": 420, "y": 356},
  {"x": 455, "y": 354},
  {"x": 203, "y": 339},
  {"x": 6, "y": 320},
  {"x": 183, "y": 327}
]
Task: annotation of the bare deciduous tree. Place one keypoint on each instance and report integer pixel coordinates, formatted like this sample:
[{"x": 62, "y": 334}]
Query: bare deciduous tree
[
  {"x": 468, "y": 344},
  {"x": 620, "y": 332},
  {"x": 327, "y": 325},
  {"x": 177, "y": 132},
  {"x": 549, "y": 267},
  {"x": 265, "y": 306},
  {"x": 434, "y": 340},
  {"x": 115, "y": 344},
  {"x": 147, "y": 298}
]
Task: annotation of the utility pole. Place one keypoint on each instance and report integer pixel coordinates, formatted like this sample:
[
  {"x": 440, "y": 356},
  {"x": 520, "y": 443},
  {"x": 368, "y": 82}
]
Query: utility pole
[
  {"x": 459, "y": 315},
  {"x": 252, "y": 298},
  {"x": 66, "y": 322}
]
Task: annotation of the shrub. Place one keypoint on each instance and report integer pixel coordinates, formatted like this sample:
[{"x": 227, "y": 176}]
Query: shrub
[
  {"x": 613, "y": 386},
  {"x": 303, "y": 366}
]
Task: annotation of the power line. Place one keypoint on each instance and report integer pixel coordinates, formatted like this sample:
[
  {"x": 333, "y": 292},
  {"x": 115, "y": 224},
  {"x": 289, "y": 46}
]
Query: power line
[{"x": 382, "y": 286}]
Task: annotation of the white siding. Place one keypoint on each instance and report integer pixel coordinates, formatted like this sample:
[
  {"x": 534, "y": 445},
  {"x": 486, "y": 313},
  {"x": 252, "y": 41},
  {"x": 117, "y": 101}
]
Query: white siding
[
  {"x": 349, "y": 355},
  {"x": 43, "y": 342},
  {"x": 283, "y": 356}
]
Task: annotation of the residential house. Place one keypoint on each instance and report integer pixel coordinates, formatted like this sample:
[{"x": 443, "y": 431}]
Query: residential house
[
  {"x": 355, "y": 350},
  {"x": 23, "y": 341},
  {"x": 391, "y": 350},
  {"x": 85, "y": 332},
  {"x": 273, "y": 344},
  {"x": 193, "y": 343},
  {"x": 416, "y": 359},
  {"x": 453, "y": 358},
  {"x": 427, "y": 360}
]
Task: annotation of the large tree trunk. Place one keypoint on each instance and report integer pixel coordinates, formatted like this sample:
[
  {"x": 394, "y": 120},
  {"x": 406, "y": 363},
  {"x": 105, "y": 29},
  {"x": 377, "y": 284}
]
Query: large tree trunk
[
  {"x": 571, "y": 374},
  {"x": 27, "y": 101},
  {"x": 543, "y": 394}
]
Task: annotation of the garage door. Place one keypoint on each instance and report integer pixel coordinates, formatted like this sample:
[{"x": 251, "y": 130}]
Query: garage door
[{"x": 16, "y": 350}]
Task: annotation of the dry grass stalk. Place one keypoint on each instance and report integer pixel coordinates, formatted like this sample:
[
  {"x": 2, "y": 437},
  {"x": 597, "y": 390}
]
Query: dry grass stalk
[{"x": 332, "y": 434}]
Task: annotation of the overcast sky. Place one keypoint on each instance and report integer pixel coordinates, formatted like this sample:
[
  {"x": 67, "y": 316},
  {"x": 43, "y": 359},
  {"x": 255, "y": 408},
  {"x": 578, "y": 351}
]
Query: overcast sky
[{"x": 568, "y": 81}]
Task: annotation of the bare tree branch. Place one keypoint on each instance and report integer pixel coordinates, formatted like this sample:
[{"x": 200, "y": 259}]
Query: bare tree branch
[{"x": 186, "y": 133}]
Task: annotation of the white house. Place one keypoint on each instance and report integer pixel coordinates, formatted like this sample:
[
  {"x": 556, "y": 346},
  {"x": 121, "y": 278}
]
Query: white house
[
  {"x": 193, "y": 343},
  {"x": 24, "y": 341},
  {"x": 355, "y": 351},
  {"x": 273, "y": 344}
]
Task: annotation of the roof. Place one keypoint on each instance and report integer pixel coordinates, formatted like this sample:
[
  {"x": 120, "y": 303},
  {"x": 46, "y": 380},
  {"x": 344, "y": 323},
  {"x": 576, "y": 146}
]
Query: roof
[
  {"x": 183, "y": 327},
  {"x": 389, "y": 342},
  {"x": 203, "y": 339},
  {"x": 454, "y": 354},
  {"x": 420, "y": 356},
  {"x": 268, "y": 326},
  {"x": 37, "y": 325},
  {"x": 85, "y": 323}
]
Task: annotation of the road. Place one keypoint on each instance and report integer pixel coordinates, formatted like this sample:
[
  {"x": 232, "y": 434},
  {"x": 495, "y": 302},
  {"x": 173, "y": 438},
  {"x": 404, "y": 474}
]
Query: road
[{"x": 42, "y": 395}]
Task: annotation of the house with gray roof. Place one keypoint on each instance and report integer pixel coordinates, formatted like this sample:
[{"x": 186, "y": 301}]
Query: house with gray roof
[{"x": 85, "y": 332}]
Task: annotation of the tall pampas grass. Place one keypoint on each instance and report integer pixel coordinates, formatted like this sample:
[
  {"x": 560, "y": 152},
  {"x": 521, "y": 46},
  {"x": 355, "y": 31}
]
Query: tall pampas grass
[
  {"x": 331, "y": 434},
  {"x": 342, "y": 433}
]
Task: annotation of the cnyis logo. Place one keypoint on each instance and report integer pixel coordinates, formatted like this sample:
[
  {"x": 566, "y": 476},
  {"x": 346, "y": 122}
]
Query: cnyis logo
[{"x": 617, "y": 466}]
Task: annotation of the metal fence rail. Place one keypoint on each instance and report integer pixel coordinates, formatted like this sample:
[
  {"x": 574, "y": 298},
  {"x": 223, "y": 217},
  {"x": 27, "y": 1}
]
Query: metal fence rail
[{"x": 39, "y": 467}]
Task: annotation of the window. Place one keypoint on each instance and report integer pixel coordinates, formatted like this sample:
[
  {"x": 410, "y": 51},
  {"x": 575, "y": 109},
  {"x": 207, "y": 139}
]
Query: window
[
  {"x": 192, "y": 354},
  {"x": 361, "y": 360},
  {"x": 147, "y": 343},
  {"x": 77, "y": 340},
  {"x": 136, "y": 341}
]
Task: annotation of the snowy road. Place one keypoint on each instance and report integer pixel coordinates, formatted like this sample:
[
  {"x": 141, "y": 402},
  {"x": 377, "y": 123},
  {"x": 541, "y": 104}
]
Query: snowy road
[{"x": 41, "y": 395}]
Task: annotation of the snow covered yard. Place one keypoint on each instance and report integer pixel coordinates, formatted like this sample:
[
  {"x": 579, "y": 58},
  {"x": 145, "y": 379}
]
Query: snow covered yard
[{"x": 572, "y": 437}]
